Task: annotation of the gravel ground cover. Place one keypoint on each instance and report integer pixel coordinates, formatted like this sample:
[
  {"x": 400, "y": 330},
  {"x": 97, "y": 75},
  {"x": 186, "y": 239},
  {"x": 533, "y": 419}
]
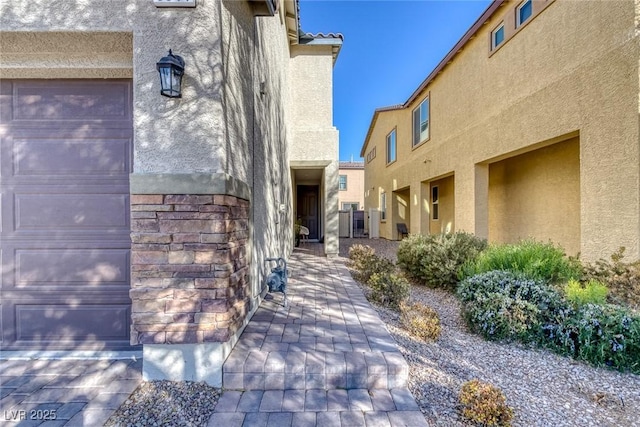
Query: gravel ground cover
[
  {"x": 544, "y": 389},
  {"x": 167, "y": 403}
]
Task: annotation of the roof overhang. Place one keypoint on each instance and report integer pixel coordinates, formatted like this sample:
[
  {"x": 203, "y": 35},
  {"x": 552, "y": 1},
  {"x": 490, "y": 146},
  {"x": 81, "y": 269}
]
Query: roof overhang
[
  {"x": 376, "y": 113},
  {"x": 320, "y": 39}
]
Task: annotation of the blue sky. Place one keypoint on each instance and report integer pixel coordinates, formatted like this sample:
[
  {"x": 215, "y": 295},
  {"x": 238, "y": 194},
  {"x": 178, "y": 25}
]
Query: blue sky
[{"x": 389, "y": 49}]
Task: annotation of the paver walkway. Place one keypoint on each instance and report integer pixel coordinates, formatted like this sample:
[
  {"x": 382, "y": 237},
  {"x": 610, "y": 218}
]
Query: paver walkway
[
  {"x": 64, "y": 392},
  {"x": 324, "y": 360}
]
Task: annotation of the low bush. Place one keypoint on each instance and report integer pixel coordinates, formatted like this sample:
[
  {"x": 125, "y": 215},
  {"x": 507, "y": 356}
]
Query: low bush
[
  {"x": 592, "y": 292},
  {"x": 388, "y": 288},
  {"x": 436, "y": 259},
  {"x": 604, "y": 335},
  {"x": 485, "y": 404},
  {"x": 365, "y": 263},
  {"x": 622, "y": 279},
  {"x": 501, "y": 305},
  {"x": 420, "y": 320},
  {"x": 535, "y": 260}
]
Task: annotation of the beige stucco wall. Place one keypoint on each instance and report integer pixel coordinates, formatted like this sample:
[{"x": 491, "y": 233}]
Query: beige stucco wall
[
  {"x": 355, "y": 187},
  {"x": 574, "y": 68},
  {"x": 537, "y": 195}
]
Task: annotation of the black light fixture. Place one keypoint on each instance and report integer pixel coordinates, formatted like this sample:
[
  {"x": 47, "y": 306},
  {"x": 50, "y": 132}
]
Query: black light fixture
[{"x": 171, "y": 69}]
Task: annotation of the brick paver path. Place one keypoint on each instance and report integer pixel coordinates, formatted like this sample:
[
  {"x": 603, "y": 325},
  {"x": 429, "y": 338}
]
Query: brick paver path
[
  {"x": 326, "y": 359},
  {"x": 64, "y": 392}
]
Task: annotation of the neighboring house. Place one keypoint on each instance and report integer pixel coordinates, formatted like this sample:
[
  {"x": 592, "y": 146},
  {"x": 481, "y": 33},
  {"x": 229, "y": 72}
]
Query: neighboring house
[
  {"x": 351, "y": 185},
  {"x": 129, "y": 218},
  {"x": 527, "y": 128}
]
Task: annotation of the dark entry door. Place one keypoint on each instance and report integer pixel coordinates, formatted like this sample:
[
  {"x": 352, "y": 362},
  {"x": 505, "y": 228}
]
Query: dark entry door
[{"x": 308, "y": 208}]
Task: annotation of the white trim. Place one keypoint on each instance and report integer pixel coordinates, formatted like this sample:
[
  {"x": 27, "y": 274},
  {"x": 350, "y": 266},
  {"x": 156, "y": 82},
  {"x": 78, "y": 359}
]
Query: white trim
[{"x": 494, "y": 45}]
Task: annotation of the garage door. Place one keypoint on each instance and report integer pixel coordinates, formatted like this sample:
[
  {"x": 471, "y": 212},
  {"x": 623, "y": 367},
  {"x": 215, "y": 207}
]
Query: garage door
[{"x": 65, "y": 158}]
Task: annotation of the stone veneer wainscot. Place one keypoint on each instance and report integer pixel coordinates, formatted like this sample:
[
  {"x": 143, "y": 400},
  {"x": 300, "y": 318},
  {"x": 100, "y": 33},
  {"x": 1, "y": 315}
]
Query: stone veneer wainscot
[{"x": 189, "y": 273}]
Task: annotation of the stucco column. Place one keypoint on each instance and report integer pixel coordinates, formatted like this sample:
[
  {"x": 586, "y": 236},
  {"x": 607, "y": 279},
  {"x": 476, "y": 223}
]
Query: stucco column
[
  {"x": 481, "y": 200},
  {"x": 331, "y": 218}
]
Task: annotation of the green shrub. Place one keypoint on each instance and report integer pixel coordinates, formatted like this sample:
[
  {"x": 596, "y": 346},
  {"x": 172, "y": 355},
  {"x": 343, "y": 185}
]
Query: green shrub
[
  {"x": 592, "y": 292},
  {"x": 535, "y": 260},
  {"x": 485, "y": 404},
  {"x": 365, "y": 263},
  {"x": 420, "y": 320},
  {"x": 388, "y": 288},
  {"x": 436, "y": 259},
  {"x": 502, "y": 305},
  {"x": 622, "y": 279},
  {"x": 605, "y": 335}
]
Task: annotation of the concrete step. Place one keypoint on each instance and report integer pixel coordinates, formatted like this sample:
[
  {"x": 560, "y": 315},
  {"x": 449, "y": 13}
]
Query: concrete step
[
  {"x": 318, "y": 407},
  {"x": 297, "y": 370}
]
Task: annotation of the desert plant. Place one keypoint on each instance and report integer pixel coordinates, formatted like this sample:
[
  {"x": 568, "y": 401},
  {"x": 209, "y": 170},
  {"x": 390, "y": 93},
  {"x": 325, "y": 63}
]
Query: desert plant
[
  {"x": 604, "y": 335},
  {"x": 622, "y": 278},
  {"x": 535, "y": 260},
  {"x": 436, "y": 259},
  {"x": 592, "y": 292},
  {"x": 420, "y": 320},
  {"x": 359, "y": 255},
  {"x": 485, "y": 404},
  {"x": 502, "y": 305},
  {"x": 365, "y": 263},
  {"x": 388, "y": 288}
]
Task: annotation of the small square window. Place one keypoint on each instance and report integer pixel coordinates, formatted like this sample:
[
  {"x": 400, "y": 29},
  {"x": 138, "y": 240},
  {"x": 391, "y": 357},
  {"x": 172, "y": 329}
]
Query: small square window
[
  {"x": 524, "y": 12},
  {"x": 497, "y": 36},
  {"x": 371, "y": 155},
  {"x": 343, "y": 182}
]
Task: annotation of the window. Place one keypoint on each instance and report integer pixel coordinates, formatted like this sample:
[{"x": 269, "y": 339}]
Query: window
[
  {"x": 371, "y": 155},
  {"x": 350, "y": 206},
  {"x": 523, "y": 12},
  {"x": 497, "y": 36},
  {"x": 391, "y": 147},
  {"x": 383, "y": 206},
  {"x": 435, "y": 215},
  {"x": 342, "y": 185},
  {"x": 421, "y": 123}
]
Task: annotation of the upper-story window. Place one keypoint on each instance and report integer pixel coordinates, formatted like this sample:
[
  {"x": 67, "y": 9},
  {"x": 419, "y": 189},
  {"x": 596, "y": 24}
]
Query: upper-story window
[
  {"x": 421, "y": 123},
  {"x": 497, "y": 36},
  {"x": 342, "y": 184},
  {"x": 524, "y": 12},
  {"x": 391, "y": 147}
]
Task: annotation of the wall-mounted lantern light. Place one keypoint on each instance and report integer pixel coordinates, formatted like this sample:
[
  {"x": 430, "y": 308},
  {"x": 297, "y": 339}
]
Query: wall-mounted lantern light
[{"x": 171, "y": 69}]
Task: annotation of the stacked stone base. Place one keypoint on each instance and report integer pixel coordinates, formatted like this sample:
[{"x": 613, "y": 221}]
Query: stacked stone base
[{"x": 190, "y": 268}]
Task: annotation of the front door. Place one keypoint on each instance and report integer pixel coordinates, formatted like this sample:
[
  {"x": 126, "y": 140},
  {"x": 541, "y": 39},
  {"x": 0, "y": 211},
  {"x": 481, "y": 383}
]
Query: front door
[{"x": 308, "y": 208}]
